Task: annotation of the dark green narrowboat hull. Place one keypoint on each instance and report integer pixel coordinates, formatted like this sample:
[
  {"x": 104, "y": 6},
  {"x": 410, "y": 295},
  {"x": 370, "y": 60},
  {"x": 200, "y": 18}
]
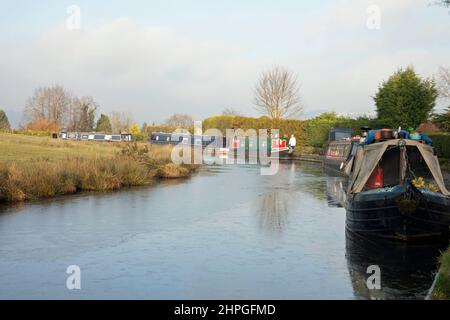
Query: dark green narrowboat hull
[{"x": 402, "y": 212}]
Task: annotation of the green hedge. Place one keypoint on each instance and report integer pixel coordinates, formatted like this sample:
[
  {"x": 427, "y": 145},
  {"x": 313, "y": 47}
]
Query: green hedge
[
  {"x": 441, "y": 143},
  {"x": 312, "y": 134},
  {"x": 286, "y": 127}
]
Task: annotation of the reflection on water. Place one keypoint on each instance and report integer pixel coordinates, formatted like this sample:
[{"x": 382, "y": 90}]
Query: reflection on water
[
  {"x": 336, "y": 191},
  {"x": 274, "y": 212},
  {"x": 407, "y": 270},
  {"x": 225, "y": 233}
]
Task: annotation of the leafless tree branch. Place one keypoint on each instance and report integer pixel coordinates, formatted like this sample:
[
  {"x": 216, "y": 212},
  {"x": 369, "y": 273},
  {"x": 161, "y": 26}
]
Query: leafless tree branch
[
  {"x": 277, "y": 94},
  {"x": 50, "y": 103}
]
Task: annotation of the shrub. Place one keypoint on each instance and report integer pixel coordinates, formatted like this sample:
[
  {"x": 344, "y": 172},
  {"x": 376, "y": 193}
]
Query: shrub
[{"x": 441, "y": 144}]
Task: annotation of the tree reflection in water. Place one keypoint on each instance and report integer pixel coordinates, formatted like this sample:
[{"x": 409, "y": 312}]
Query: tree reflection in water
[
  {"x": 274, "y": 211},
  {"x": 276, "y": 201}
]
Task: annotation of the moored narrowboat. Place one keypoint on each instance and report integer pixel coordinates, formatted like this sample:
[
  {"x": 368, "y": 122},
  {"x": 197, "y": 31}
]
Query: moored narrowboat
[
  {"x": 341, "y": 148},
  {"x": 396, "y": 190}
]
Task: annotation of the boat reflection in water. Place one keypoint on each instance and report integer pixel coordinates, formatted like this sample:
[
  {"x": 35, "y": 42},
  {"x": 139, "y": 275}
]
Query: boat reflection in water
[
  {"x": 336, "y": 194},
  {"x": 407, "y": 270}
]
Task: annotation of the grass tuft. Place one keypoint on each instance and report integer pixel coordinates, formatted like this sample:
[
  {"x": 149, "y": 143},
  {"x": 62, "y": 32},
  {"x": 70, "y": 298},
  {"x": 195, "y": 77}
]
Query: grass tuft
[{"x": 442, "y": 288}]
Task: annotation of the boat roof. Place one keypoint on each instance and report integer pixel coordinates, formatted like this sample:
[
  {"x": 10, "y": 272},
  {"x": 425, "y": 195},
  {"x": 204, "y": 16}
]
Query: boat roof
[
  {"x": 345, "y": 141},
  {"x": 368, "y": 156}
]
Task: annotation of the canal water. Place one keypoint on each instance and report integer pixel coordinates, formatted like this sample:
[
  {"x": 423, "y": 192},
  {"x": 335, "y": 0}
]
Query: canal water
[{"x": 226, "y": 233}]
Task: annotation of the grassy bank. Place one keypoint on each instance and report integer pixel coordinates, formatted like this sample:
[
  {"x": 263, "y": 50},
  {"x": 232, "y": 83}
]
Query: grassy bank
[
  {"x": 442, "y": 287},
  {"x": 33, "y": 167}
]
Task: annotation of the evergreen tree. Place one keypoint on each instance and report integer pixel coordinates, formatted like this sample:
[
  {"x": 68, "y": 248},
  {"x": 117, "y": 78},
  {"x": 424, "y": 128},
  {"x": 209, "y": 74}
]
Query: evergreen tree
[
  {"x": 405, "y": 99},
  {"x": 103, "y": 124},
  {"x": 4, "y": 122}
]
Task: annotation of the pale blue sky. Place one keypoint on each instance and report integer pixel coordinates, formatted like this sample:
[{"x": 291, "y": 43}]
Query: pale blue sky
[{"x": 154, "y": 58}]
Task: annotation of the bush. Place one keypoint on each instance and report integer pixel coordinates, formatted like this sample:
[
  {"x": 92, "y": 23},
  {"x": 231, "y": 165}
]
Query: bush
[
  {"x": 141, "y": 136},
  {"x": 441, "y": 143}
]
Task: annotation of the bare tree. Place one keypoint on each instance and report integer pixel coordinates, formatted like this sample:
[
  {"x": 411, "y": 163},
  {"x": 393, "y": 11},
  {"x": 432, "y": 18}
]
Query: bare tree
[
  {"x": 49, "y": 103},
  {"x": 277, "y": 94},
  {"x": 444, "y": 82},
  {"x": 120, "y": 121},
  {"x": 82, "y": 114},
  {"x": 179, "y": 120}
]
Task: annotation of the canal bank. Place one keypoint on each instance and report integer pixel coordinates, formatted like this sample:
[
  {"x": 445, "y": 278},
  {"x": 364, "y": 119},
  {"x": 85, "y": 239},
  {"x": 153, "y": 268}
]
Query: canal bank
[
  {"x": 34, "y": 167},
  {"x": 441, "y": 286}
]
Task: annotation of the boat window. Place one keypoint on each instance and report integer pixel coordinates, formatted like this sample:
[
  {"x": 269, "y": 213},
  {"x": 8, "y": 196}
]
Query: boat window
[{"x": 341, "y": 135}]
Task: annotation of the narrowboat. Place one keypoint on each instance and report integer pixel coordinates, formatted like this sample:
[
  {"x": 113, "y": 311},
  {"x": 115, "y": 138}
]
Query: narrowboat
[
  {"x": 341, "y": 148},
  {"x": 99, "y": 137},
  {"x": 275, "y": 146},
  {"x": 116, "y": 137},
  {"x": 396, "y": 189},
  {"x": 183, "y": 138},
  {"x": 84, "y": 136},
  {"x": 163, "y": 138}
]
